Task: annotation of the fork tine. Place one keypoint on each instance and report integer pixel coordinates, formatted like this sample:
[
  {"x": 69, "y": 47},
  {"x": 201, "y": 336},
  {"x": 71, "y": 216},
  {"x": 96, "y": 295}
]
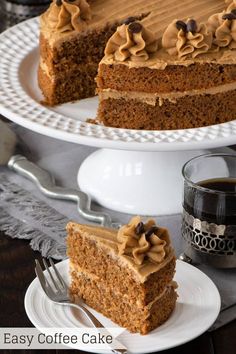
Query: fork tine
[
  {"x": 61, "y": 280},
  {"x": 43, "y": 281},
  {"x": 38, "y": 271},
  {"x": 50, "y": 274}
]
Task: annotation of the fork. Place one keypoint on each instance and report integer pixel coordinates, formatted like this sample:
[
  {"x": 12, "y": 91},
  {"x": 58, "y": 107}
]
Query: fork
[{"x": 60, "y": 294}]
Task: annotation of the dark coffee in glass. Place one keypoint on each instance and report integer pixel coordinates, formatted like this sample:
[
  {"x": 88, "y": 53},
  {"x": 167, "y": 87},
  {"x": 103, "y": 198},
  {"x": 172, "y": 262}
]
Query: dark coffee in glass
[
  {"x": 214, "y": 200},
  {"x": 209, "y": 208}
]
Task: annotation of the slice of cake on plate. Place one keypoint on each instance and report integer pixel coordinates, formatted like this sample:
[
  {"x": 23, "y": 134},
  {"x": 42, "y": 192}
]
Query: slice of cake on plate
[{"x": 127, "y": 275}]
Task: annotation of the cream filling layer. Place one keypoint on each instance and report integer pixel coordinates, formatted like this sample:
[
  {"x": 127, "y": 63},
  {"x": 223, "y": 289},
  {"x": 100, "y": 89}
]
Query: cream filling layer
[
  {"x": 45, "y": 69},
  {"x": 154, "y": 99},
  {"x": 81, "y": 273}
]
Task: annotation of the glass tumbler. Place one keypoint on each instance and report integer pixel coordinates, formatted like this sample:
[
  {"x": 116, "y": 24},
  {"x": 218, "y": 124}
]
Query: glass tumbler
[
  {"x": 14, "y": 11},
  {"x": 209, "y": 210}
]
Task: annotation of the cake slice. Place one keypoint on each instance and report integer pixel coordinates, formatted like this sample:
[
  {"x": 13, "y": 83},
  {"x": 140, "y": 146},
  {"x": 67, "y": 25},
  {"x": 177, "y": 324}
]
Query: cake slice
[{"x": 127, "y": 275}]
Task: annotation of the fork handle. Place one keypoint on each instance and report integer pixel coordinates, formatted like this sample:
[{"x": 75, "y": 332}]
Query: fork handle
[
  {"x": 88, "y": 314},
  {"x": 96, "y": 324},
  {"x": 45, "y": 182}
]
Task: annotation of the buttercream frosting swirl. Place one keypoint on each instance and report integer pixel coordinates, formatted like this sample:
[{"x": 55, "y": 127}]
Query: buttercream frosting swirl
[
  {"x": 182, "y": 42},
  {"x": 65, "y": 16},
  {"x": 224, "y": 30},
  {"x": 130, "y": 44},
  {"x": 143, "y": 241}
]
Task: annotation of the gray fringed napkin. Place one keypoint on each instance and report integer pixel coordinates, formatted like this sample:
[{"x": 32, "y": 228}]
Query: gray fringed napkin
[
  {"x": 27, "y": 214},
  {"x": 24, "y": 216}
]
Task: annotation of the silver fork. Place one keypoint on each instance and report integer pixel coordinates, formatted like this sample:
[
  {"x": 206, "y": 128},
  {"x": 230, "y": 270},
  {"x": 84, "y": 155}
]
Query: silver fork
[{"x": 60, "y": 294}]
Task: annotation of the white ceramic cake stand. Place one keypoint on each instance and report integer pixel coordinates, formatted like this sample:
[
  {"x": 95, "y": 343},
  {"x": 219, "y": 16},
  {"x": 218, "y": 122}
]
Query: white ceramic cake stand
[{"x": 137, "y": 172}]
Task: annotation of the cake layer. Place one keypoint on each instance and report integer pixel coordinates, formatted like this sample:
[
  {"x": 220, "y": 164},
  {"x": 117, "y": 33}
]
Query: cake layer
[
  {"x": 190, "y": 111},
  {"x": 173, "y": 78},
  {"x": 117, "y": 306},
  {"x": 82, "y": 48},
  {"x": 78, "y": 83}
]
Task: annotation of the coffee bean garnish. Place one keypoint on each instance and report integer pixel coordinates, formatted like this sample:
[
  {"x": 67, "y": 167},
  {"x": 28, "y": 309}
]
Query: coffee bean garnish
[
  {"x": 135, "y": 27},
  {"x": 229, "y": 16},
  {"x": 139, "y": 230},
  {"x": 192, "y": 26},
  {"x": 181, "y": 25},
  {"x": 129, "y": 20},
  {"x": 152, "y": 230},
  {"x": 59, "y": 2}
]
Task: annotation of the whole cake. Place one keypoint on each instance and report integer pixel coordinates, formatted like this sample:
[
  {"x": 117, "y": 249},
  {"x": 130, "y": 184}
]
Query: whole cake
[
  {"x": 127, "y": 275},
  {"x": 167, "y": 65}
]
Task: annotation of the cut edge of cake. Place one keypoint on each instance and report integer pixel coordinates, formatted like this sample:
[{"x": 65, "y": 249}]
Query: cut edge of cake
[{"x": 72, "y": 42}]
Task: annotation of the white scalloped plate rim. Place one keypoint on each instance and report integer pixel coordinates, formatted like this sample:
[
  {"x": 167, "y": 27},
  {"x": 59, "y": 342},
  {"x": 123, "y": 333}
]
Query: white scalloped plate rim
[
  {"x": 197, "y": 308},
  {"x": 15, "y": 103}
]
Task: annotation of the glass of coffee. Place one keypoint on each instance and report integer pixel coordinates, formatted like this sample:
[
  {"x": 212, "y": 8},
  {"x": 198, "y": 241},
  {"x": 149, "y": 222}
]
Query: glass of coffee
[
  {"x": 15, "y": 11},
  {"x": 209, "y": 210}
]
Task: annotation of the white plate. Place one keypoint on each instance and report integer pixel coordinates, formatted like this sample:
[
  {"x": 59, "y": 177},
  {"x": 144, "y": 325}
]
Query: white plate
[
  {"x": 197, "y": 308},
  {"x": 20, "y": 101}
]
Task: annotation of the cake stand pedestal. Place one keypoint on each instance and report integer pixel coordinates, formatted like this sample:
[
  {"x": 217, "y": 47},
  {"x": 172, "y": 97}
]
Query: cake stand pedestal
[{"x": 145, "y": 183}]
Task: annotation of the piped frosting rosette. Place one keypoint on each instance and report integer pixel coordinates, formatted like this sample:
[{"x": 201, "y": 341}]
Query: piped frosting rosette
[
  {"x": 65, "y": 15},
  {"x": 143, "y": 241},
  {"x": 131, "y": 41},
  {"x": 223, "y": 26},
  {"x": 187, "y": 39}
]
